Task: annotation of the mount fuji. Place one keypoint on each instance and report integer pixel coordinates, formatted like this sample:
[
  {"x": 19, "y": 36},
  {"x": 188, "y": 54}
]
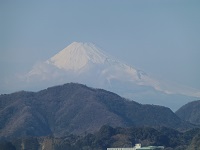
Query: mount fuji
[{"x": 87, "y": 64}]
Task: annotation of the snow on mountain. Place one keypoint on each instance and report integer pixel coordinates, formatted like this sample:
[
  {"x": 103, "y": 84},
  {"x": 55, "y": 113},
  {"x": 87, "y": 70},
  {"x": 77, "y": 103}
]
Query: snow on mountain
[
  {"x": 76, "y": 56},
  {"x": 86, "y": 58},
  {"x": 87, "y": 64}
]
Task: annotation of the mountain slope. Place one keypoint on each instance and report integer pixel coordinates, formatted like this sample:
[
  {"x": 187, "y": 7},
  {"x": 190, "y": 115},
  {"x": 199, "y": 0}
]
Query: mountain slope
[
  {"x": 85, "y": 59},
  {"x": 75, "y": 108},
  {"x": 190, "y": 112},
  {"x": 110, "y": 137},
  {"x": 85, "y": 63},
  {"x": 76, "y": 56}
]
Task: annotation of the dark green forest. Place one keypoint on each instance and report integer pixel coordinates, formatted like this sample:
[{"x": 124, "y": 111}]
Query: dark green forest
[
  {"x": 76, "y": 117},
  {"x": 108, "y": 136}
]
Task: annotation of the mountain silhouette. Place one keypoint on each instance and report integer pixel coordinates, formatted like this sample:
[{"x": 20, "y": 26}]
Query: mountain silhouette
[{"x": 76, "y": 108}]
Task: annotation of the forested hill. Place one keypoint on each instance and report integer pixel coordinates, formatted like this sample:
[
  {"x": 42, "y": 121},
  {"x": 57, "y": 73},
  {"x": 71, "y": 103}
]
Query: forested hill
[
  {"x": 75, "y": 108},
  {"x": 190, "y": 112},
  {"x": 108, "y": 136}
]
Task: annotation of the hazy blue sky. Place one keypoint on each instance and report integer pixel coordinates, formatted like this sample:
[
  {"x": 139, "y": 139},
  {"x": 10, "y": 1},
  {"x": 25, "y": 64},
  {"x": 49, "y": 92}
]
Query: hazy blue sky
[{"x": 161, "y": 37}]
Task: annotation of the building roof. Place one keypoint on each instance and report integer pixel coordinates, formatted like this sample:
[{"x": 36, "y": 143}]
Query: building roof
[{"x": 151, "y": 148}]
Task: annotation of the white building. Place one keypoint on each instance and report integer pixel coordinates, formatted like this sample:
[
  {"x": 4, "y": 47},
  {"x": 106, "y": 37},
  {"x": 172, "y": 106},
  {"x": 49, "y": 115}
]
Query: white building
[{"x": 138, "y": 147}]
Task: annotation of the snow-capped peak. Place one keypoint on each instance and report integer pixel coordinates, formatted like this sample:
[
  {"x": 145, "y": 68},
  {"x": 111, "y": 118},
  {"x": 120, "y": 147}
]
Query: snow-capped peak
[
  {"x": 76, "y": 56},
  {"x": 85, "y": 63},
  {"x": 82, "y": 59}
]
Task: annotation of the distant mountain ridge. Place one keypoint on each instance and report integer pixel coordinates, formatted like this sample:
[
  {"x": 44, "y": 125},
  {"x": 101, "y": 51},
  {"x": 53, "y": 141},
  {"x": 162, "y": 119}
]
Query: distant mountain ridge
[
  {"x": 87, "y": 64},
  {"x": 108, "y": 136},
  {"x": 85, "y": 59},
  {"x": 190, "y": 112},
  {"x": 76, "y": 108}
]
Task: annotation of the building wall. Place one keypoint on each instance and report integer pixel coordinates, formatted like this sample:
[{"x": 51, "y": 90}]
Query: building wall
[
  {"x": 121, "y": 149},
  {"x": 136, "y": 148}
]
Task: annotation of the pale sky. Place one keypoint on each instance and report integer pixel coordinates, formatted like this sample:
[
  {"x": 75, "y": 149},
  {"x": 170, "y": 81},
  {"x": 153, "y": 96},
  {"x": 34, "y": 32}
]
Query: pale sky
[{"x": 160, "y": 37}]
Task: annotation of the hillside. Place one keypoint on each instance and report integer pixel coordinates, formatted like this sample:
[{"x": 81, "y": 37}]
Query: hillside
[
  {"x": 87, "y": 64},
  {"x": 110, "y": 137},
  {"x": 190, "y": 112},
  {"x": 78, "y": 109}
]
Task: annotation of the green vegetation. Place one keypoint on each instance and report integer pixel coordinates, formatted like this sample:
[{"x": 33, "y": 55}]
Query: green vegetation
[
  {"x": 108, "y": 136},
  {"x": 75, "y": 108},
  {"x": 76, "y": 117},
  {"x": 190, "y": 112}
]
